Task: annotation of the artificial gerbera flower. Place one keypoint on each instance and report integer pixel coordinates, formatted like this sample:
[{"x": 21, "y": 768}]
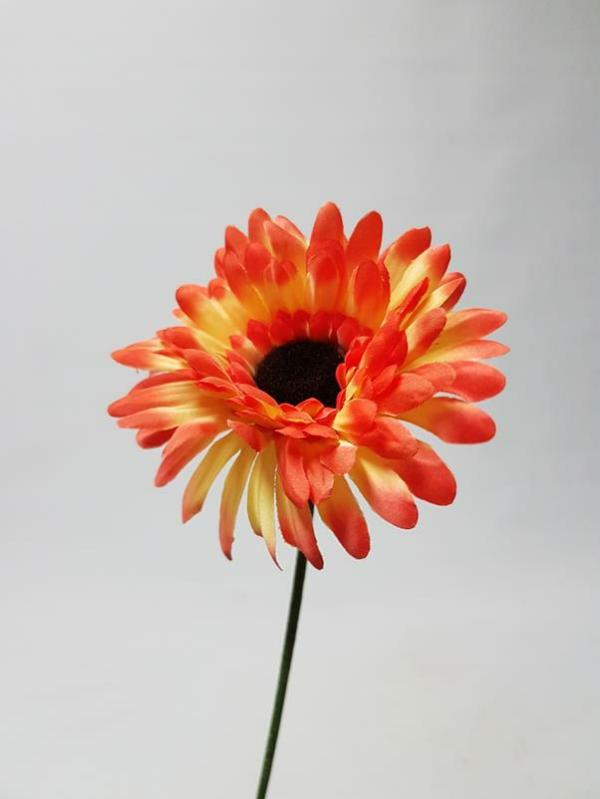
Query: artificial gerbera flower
[{"x": 313, "y": 364}]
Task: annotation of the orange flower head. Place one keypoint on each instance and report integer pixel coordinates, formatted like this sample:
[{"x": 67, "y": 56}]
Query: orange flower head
[{"x": 310, "y": 362}]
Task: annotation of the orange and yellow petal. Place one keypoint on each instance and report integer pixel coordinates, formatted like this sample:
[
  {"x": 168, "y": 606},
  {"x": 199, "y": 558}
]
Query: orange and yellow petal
[
  {"x": 423, "y": 332},
  {"x": 261, "y": 497},
  {"x": 453, "y": 420},
  {"x": 233, "y": 489},
  {"x": 365, "y": 240},
  {"x": 320, "y": 479},
  {"x": 162, "y": 396},
  {"x": 384, "y": 489},
  {"x": 296, "y": 524},
  {"x": 207, "y": 472},
  {"x": 151, "y": 355},
  {"x": 149, "y": 439},
  {"x": 406, "y": 391},
  {"x": 328, "y": 225},
  {"x": 430, "y": 265},
  {"x": 187, "y": 442},
  {"x": 389, "y": 438},
  {"x": 475, "y": 381},
  {"x": 370, "y": 292},
  {"x": 427, "y": 476},
  {"x": 290, "y": 465},
  {"x": 340, "y": 512},
  {"x": 471, "y": 323},
  {"x": 404, "y": 250}
]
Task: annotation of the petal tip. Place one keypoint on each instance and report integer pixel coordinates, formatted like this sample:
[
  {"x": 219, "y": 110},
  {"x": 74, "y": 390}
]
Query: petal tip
[
  {"x": 160, "y": 481},
  {"x": 187, "y": 514},
  {"x": 361, "y": 554}
]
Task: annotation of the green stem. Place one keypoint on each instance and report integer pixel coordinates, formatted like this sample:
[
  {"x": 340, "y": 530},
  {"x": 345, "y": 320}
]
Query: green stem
[{"x": 284, "y": 673}]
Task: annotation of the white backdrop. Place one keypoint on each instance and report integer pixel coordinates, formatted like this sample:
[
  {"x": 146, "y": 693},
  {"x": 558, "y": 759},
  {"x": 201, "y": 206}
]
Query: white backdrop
[{"x": 458, "y": 661}]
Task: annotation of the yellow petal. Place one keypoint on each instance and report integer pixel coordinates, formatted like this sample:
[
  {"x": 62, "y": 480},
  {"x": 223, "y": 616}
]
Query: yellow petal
[
  {"x": 233, "y": 489},
  {"x": 204, "y": 476},
  {"x": 261, "y": 495}
]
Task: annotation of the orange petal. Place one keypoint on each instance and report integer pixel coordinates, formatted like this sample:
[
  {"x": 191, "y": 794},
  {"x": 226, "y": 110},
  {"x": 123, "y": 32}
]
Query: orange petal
[
  {"x": 256, "y": 226},
  {"x": 180, "y": 376},
  {"x": 404, "y": 250},
  {"x": 285, "y": 246},
  {"x": 256, "y": 260},
  {"x": 328, "y": 225},
  {"x": 389, "y": 438},
  {"x": 404, "y": 304},
  {"x": 388, "y": 346},
  {"x": 320, "y": 430},
  {"x": 385, "y": 380},
  {"x": 297, "y": 527},
  {"x": 326, "y": 275},
  {"x": 300, "y": 324},
  {"x": 371, "y": 290},
  {"x": 251, "y": 434},
  {"x": 339, "y": 459},
  {"x": 288, "y": 225},
  {"x": 356, "y": 417},
  {"x": 187, "y": 442},
  {"x": 151, "y": 355},
  {"x": 469, "y": 350},
  {"x": 431, "y": 264},
  {"x": 423, "y": 332},
  {"x": 462, "y": 336},
  {"x": 340, "y": 512},
  {"x": 259, "y": 334},
  {"x": 439, "y": 375},
  {"x": 450, "y": 290},
  {"x": 471, "y": 323},
  {"x": 164, "y": 395},
  {"x": 204, "y": 364},
  {"x": 384, "y": 490},
  {"x": 160, "y": 418},
  {"x": 148, "y": 439},
  {"x": 447, "y": 294},
  {"x": 427, "y": 476},
  {"x": 235, "y": 240},
  {"x": 320, "y": 479},
  {"x": 406, "y": 392},
  {"x": 474, "y": 381},
  {"x": 191, "y": 299},
  {"x": 211, "y": 321},
  {"x": 244, "y": 288},
  {"x": 365, "y": 240},
  {"x": 180, "y": 337},
  {"x": 291, "y": 468},
  {"x": 453, "y": 420}
]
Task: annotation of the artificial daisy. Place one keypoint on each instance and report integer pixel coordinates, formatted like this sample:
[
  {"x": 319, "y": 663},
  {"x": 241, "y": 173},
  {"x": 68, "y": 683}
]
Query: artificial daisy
[{"x": 312, "y": 365}]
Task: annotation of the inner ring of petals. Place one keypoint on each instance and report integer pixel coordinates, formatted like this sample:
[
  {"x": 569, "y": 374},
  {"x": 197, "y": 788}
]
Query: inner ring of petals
[{"x": 300, "y": 370}]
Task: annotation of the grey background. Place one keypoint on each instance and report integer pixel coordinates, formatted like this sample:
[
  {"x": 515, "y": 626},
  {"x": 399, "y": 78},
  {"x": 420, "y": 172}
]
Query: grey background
[{"x": 458, "y": 661}]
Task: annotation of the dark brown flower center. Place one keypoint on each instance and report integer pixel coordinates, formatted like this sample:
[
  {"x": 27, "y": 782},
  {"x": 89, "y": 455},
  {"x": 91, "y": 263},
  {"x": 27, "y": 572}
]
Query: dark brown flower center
[{"x": 299, "y": 370}]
